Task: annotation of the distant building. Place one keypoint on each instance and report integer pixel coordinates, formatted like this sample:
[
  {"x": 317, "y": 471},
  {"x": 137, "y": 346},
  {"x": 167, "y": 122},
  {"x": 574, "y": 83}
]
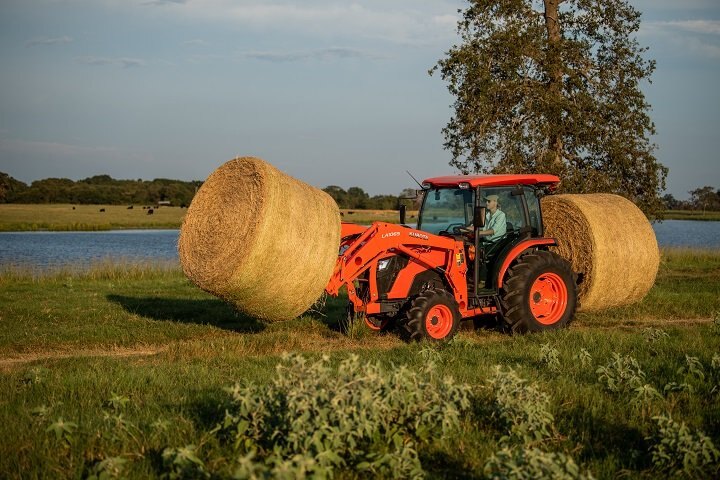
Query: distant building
[{"x": 164, "y": 203}]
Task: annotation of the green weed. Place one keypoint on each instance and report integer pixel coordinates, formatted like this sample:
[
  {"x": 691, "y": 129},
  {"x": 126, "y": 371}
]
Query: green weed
[
  {"x": 678, "y": 451},
  {"x": 621, "y": 375},
  {"x": 522, "y": 407},
  {"x": 531, "y": 464},
  {"x": 314, "y": 418}
]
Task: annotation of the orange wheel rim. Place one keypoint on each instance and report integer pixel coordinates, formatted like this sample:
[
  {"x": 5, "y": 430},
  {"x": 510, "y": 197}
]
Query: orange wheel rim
[
  {"x": 548, "y": 298},
  {"x": 439, "y": 321}
]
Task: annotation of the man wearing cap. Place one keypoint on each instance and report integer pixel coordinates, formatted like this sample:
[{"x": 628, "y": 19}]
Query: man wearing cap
[{"x": 495, "y": 223}]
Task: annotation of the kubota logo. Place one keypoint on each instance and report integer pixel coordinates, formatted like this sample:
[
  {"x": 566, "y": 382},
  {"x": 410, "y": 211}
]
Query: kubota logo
[
  {"x": 390, "y": 234},
  {"x": 419, "y": 235}
]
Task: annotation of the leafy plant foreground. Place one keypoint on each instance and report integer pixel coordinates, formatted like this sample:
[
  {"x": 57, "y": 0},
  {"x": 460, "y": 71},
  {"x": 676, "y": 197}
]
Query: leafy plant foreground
[{"x": 134, "y": 373}]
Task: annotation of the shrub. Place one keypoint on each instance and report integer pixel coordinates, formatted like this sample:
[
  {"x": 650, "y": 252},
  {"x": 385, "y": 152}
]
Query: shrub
[
  {"x": 550, "y": 357},
  {"x": 109, "y": 468},
  {"x": 644, "y": 397},
  {"x": 676, "y": 450},
  {"x": 621, "y": 375},
  {"x": 183, "y": 463},
  {"x": 313, "y": 419},
  {"x": 584, "y": 357},
  {"x": 522, "y": 407},
  {"x": 655, "y": 335},
  {"x": 531, "y": 464}
]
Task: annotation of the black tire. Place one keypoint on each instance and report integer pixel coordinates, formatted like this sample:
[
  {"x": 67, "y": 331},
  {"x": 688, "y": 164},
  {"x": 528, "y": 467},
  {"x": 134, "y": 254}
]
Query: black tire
[
  {"x": 539, "y": 293},
  {"x": 433, "y": 315}
]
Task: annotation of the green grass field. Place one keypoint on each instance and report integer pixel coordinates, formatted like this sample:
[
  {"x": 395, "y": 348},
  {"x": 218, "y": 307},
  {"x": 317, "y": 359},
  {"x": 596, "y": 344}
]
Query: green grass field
[
  {"x": 692, "y": 215},
  {"x": 65, "y": 217},
  {"x": 123, "y": 371}
]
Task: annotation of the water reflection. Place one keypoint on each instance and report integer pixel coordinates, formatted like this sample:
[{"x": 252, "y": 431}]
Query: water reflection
[{"x": 48, "y": 250}]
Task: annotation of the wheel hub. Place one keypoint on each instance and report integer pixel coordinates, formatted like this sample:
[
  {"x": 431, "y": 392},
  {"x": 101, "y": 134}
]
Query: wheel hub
[
  {"x": 548, "y": 298},
  {"x": 439, "y": 321}
]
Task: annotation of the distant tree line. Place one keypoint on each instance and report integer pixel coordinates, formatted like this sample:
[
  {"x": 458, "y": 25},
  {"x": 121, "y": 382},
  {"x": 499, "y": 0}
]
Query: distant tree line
[
  {"x": 100, "y": 189},
  {"x": 705, "y": 198},
  {"x": 355, "y": 197},
  {"x": 103, "y": 189}
]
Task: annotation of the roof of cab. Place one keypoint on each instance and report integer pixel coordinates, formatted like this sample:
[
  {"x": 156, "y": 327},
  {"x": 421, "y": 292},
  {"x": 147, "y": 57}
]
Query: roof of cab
[{"x": 493, "y": 180}]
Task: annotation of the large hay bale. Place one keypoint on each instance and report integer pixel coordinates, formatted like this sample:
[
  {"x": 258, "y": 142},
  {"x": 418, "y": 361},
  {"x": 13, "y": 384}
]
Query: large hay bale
[
  {"x": 260, "y": 239},
  {"x": 609, "y": 241}
]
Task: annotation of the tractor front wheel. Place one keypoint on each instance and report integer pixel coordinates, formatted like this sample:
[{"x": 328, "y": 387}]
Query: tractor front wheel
[
  {"x": 539, "y": 293},
  {"x": 433, "y": 315}
]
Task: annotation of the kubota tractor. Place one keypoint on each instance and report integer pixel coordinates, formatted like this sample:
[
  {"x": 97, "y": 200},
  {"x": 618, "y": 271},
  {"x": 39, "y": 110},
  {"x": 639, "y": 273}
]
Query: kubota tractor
[{"x": 428, "y": 279}]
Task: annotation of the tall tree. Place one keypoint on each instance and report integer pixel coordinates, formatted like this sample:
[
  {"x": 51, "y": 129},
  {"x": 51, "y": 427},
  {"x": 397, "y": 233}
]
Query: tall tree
[
  {"x": 705, "y": 198},
  {"x": 553, "y": 86}
]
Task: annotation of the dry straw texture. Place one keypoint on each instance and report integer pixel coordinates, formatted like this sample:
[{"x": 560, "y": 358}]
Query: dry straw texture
[
  {"x": 260, "y": 239},
  {"x": 607, "y": 239}
]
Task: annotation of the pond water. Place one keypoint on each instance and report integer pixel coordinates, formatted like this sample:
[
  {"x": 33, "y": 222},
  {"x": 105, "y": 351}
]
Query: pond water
[{"x": 56, "y": 249}]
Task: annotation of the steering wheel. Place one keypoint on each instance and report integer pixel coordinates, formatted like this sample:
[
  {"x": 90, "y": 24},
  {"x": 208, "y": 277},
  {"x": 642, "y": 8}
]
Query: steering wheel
[{"x": 455, "y": 230}]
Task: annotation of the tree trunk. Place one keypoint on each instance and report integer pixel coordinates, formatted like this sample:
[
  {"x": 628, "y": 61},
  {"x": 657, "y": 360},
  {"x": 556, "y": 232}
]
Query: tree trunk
[{"x": 554, "y": 70}]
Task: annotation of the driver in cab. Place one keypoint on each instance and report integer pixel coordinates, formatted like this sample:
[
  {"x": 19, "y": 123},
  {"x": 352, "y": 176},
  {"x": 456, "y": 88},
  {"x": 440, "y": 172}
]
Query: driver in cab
[{"x": 495, "y": 223}]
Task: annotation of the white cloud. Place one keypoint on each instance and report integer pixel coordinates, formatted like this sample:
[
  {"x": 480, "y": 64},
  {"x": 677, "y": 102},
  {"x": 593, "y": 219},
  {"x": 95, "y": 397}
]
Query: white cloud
[
  {"x": 321, "y": 54},
  {"x": 194, "y": 43},
  {"x": 699, "y": 37},
  {"x": 123, "y": 62},
  {"x": 160, "y": 3},
  {"x": 48, "y": 41},
  {"x": 400, "y": 21},
  {"x": 708, "y": 27}
]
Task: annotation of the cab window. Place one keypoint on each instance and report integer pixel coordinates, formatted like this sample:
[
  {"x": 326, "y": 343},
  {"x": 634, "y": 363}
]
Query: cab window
[
  {"x": 533, "y": 203},
  {"x": 444, "y": 208},
  {"x": 510, "y": 204}
]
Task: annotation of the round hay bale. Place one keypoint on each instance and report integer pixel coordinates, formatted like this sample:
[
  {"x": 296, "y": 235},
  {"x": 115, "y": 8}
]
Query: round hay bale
[
  {"x": 609, "y": 241},
  {"x": 260, "y": 239}
]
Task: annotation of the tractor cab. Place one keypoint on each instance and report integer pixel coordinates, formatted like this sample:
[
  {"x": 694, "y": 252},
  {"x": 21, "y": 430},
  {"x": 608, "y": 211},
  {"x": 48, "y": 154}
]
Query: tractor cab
[{"x": 458, "y": 207}]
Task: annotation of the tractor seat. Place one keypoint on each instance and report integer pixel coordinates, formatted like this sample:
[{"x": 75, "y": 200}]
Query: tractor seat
[{"x": 509, "y": 227}]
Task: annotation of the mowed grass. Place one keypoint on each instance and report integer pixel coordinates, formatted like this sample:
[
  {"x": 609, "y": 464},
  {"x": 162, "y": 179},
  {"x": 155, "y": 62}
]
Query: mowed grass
[
  {"x": 692, "y": 215},
  {"x": 72, "y": 341},
  {"x": 66, "y": 217}
]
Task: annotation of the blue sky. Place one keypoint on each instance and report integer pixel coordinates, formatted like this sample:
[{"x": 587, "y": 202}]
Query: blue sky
[{"x": 331, "y": 92}]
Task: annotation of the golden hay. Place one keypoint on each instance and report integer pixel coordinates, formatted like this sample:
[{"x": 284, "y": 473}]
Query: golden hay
[
  {"x": 260, "y": 239},
  {"x": 607, "y": 239}
]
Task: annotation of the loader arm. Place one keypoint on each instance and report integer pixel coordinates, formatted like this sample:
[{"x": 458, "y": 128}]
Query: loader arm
[{"x": 362, "y": 248}]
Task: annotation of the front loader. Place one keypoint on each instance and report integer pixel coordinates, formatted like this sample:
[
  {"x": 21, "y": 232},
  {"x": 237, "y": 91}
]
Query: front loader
[{"x": 428, "y": 279}]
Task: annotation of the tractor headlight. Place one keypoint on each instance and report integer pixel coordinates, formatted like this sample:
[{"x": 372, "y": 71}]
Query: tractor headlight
[{"x": 383, "y": 264}]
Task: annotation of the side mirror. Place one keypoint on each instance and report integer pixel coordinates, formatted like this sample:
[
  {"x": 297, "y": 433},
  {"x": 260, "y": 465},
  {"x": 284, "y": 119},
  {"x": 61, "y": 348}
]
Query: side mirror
[
  {"x": 403, "y": 212},
  {"x": 479, "y": 216}
]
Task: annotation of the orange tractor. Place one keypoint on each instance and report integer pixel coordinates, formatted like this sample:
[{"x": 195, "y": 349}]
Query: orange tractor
[{"x": 453, "y": 267}]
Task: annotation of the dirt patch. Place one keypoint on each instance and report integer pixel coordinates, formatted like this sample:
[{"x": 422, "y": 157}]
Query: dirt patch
[
  {"x": 20, "y": 359},
  {"x": 635, "y": 323}
]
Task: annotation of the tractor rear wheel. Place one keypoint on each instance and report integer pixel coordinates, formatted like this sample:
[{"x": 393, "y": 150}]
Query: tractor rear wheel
[
  {"x": 433, "y": 315},
  {"x": 539, "y": 293}
]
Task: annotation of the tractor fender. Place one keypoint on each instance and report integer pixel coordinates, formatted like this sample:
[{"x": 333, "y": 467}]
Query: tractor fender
[{"x": 518, "y": 250}]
